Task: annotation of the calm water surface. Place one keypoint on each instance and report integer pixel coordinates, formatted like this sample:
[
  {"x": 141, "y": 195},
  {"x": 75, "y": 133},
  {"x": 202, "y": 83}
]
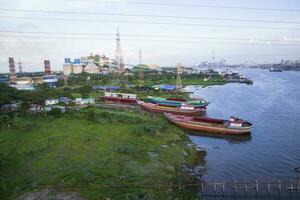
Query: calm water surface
[{"x": 272, "y": 104}]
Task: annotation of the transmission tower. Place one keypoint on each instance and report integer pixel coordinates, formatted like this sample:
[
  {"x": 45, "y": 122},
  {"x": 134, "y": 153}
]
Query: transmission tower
[
  {"x": 140, "y": 56},
  {"x": 178, "y": 81},
  {"x": 141, "y": 70},
  {"x": 119, "y": 59},
  {"x": 20, "y": 66},
  {"x": 213, "y": 59}
]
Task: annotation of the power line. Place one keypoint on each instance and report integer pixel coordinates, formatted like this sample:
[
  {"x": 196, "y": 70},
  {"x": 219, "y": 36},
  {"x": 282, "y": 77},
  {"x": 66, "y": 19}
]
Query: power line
[
  {"x": 147, "y": 36},
  {"x": 144, "y": 15},
  {"x": 148, "y": 22},
  {"x": 191, "y": 5},
  {"x": 149, "y": 40}
]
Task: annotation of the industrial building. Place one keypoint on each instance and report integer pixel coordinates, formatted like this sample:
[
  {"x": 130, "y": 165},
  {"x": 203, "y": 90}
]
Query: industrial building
[
  {"x": 92, "y": 64},
  {"x": 51, "y": 80},
  {"x": 75, "y": 67}
]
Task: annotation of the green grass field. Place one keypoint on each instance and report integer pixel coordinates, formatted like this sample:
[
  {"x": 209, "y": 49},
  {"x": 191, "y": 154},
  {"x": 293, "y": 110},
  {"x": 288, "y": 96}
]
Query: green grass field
[{"x": 86, "y": 152}]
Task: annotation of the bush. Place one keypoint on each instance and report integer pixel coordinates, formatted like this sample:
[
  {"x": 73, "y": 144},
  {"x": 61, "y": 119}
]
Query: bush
[
  {"x": 124, "y": 149},
  {"x": 55, "y": 112},
  {"x": 27, "y": 126},
  {"x": 91, "y": 115}
]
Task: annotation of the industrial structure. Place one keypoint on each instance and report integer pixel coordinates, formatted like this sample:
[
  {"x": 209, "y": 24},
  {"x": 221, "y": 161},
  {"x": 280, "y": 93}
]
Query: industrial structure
[
  {"x": 118, "y": 75},
  {"x": 20, "y": 66},
  {"x": 47, "y": 67},
  {"x": 50, "y": 80},
  {"x": 93, "y": 64},
  {"x": 12, "y": 70},
  {"x": 178, "y": 81},
  {"x": 141, "y": 71}
]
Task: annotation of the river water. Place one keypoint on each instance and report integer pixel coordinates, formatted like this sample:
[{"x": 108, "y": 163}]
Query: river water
[{"x": 272, "y": 105}]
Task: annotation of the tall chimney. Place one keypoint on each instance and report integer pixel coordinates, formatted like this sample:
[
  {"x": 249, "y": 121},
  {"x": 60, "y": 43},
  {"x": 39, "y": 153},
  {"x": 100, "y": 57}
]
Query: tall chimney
[
  {"x": 47, "y": 67},
  {"x": 12, "y": 70}
]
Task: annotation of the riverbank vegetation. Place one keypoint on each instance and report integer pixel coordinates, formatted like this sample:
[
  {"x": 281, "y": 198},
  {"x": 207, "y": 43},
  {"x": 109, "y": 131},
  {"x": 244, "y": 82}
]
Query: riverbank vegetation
[
  {"x": 97, "y": 153},
  {"x": 150, "y": 79}
]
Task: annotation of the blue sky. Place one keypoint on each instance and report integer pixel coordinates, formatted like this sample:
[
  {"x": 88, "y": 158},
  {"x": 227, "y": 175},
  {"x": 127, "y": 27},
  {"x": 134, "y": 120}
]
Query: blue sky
[{"x": 33, "y": 51}]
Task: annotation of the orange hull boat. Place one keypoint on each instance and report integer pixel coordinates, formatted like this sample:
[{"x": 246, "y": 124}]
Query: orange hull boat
[{"x": 233, "y": 126}]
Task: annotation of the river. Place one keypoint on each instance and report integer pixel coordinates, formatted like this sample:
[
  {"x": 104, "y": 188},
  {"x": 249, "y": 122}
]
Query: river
[{"x": 272, "y": 105}]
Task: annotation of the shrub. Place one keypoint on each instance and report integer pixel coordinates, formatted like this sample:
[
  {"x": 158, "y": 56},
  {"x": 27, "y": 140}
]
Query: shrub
[
  {"x": 55, "y": 112},
  {"x": 91, "y": 115},
  {"x": 27, "y": 126},
  {"x": 124, "y": 149}
]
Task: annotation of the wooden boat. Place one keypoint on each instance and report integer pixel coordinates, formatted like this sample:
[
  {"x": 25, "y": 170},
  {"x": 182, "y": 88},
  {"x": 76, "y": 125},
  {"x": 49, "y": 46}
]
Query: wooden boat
[
  {"x": 233, "y": 126},
  {"x": 119, "y": 98},
  {"x": 177, "y": 102},
  {"x": 182, "y": 110}
]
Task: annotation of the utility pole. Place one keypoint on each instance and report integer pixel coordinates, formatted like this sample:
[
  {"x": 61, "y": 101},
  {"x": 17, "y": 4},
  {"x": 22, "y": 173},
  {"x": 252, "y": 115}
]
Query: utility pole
[{"x": 178, "y": 81}]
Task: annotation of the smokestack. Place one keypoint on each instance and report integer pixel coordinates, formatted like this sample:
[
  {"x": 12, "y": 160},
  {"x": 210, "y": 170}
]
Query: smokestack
[
  {"x": 47, "y": 67},
  {"x": 12, "y": 70}
]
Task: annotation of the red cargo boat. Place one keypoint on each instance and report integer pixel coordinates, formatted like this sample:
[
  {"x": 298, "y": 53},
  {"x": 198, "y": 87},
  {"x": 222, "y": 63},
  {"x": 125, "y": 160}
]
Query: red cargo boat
[
  {"x": 233, "y": 126},
  {"x": 183, "y": 110},
  {"x": 119, "y": 98}
]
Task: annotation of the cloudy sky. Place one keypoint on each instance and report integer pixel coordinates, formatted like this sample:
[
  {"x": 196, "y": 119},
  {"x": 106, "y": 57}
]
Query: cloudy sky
[{"x": 189, "y": 39}]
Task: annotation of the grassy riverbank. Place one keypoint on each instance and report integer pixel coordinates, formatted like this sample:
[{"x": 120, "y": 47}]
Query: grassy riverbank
[{"x": 97, "y": 154}]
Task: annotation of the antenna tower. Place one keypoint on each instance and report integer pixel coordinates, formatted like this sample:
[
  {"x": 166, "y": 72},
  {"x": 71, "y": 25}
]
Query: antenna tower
[
  {"x": 141, "y": 71},
  {"x": 178, "y": 81},
  {"x": 119, "y": 59}
]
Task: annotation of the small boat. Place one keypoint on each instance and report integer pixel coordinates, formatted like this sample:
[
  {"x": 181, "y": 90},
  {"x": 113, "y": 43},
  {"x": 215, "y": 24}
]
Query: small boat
[
  {"x": 183, "y": 110},
  {"x": 232, "y": 126},
  {"x": 119, "y": 98},
  {"x": 177, "y": 102},
  {"x": 275, "y": 70}
]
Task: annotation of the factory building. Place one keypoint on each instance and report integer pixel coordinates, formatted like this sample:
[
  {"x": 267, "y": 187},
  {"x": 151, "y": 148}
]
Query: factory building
[
  {"x": 93, "y": 64},
  {"x": 91, "y": 67},
  {"x": 50, "y": 80},
  {"x": 75, "y": 67}
]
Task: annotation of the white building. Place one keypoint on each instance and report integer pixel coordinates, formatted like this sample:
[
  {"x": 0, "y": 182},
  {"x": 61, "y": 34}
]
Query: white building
[
  {"x": 81, "y": 101},
  {"x": 50, "y": 102}
]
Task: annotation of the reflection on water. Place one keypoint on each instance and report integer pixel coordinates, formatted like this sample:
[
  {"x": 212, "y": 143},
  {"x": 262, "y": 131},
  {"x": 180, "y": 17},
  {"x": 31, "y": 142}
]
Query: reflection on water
[
  {"x": 230, "y": 138},
  {"x": 272, "y": 105}
]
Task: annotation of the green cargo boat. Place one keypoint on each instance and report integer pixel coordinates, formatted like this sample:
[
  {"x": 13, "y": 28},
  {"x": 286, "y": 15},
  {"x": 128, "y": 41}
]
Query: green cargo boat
[{"x": 177, "y": 102}]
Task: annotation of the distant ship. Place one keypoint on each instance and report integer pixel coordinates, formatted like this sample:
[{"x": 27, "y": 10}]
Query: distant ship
[{"x": 275, "y": 70}]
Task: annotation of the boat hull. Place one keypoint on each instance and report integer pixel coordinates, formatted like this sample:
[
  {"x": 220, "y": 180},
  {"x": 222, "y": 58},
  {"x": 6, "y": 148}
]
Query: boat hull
[
  {"x": 176, "y": 103},
  {"x": 205, "y": 127},
  {"x": 112, "y": 100},
  {"x": 161, "y": 109}
]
